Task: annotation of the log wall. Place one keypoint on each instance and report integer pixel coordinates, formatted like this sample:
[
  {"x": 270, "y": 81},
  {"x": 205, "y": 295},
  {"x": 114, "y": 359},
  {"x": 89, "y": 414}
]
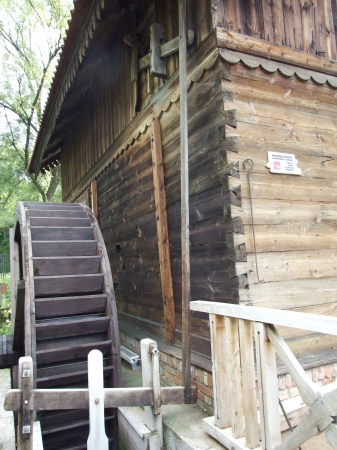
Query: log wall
[
  {"x": 128, "y": 219},
  {"x": 295, "y": 216},
  {"x": 299, "y": 24}
]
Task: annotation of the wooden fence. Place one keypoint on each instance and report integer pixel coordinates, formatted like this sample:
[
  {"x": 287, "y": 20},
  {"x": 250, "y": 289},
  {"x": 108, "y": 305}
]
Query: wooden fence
[
  {"x": 4, "y": 265},
  {"x": 241, "y": 334}
]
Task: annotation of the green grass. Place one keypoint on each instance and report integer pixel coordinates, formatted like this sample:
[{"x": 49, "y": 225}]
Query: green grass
[{"x": 5, "y": 308}]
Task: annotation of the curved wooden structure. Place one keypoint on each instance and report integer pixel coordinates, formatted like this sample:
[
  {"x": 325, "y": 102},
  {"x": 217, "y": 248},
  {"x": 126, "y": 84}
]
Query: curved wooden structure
[{"x": 68, "y": 310}]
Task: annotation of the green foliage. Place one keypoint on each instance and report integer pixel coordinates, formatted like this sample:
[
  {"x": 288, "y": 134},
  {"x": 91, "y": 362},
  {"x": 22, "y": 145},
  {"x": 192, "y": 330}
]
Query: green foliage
[
  {"x": 5, "y": 310},
  {"x": 31, "y": 36}
]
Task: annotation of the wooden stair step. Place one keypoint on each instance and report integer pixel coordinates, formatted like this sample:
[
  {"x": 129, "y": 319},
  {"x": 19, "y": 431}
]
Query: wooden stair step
[
  {"x": 59, "y": 222},
  {"x": 68, "y": 427},
  {"x": 67, "y": 306},
  {"x": 71, "y": 327},
  {"x": 58, "y": 213},
  {"x": 54, "y": 206},
  {"x": 66, "y": 265},
  {"x": 64, "y": 248},
  {"x": 61, "y": 233},
  {"x": 57, "y": 418},
  {"x": 68, "y": 378},
  {"x": 65, "y": 368},
  {"x": 68, "y": 285},
  {"x": 71, "y": 352}
]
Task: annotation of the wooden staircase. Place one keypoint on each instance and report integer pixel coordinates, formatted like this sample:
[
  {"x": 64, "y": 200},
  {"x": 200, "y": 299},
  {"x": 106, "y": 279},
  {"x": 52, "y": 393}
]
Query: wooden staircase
[{"x": 73, "y": 311}]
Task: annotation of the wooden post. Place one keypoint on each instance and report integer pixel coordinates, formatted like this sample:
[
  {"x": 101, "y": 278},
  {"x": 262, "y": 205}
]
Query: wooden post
[
  {"x": 162, "y": 231},
  {"x": 248, "y": 383},
  {"x": 268, "y": 389},
  {"x": 25, "y": 416},
  {"x": 222, "y": 417},
  {"x": 15, "y": 274},
  {"x": 185, "y": 241},
  {"x": 97, "y": 438},
  {"x": 94, "y": 202},
  {"x": 152, "y": 421}
]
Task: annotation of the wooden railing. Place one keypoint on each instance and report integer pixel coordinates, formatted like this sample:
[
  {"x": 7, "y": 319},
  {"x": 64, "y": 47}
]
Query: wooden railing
[
  {"x": 151, "y": 396},
  {"x": 238, "y": 422}
]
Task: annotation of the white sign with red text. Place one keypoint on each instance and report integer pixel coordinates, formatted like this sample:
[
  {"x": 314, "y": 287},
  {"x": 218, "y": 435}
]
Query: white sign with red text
[{"x": 285, "y": 163}]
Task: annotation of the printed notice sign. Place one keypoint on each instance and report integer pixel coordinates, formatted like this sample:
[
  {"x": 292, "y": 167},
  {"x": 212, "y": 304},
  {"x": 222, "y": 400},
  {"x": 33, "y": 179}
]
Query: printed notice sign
[{"x": 283, "y": 163}]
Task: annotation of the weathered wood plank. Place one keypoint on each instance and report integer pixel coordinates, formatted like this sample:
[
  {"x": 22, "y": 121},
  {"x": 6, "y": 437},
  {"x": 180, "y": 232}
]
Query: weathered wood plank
[
  {"x": 247, "y": 44},
  {"x": 58, "y": 233},
  {"x": 75, "y": 327},
  {"x": 55, "y": 399},
  {"x": 62, "y": 265},
  {"x": 68, "y": 284},
  {"x": 64, "y": 248},
  {"x": 162, "y": 231},
  {"x": 61, "y": 306}
]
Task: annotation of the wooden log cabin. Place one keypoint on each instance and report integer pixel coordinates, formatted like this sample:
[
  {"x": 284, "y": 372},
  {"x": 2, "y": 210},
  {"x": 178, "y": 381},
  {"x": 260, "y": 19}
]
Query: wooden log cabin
[{"x": 261, "y": 78}]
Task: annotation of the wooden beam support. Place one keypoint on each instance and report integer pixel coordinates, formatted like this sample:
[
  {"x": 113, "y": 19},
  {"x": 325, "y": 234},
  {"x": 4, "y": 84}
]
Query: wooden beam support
[
  {"x": 157, "y": 38},
  {"x": 52, "y": 399},
  {"x": 268, "y": 50},
  {"x": 162, "y": 231},
  {"x": 94, "y": 202},
  {"x": 185, "y": 216},
  {"x": 166, "y": 49}
]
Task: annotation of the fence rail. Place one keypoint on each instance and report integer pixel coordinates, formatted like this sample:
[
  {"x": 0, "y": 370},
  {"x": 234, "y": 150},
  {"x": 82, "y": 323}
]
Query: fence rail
[
  {"x": 236, "y": 422},
  {"x": 4, "y": 265}
]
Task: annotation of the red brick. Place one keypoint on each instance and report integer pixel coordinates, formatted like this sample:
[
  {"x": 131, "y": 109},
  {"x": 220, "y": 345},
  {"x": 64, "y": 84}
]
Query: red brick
[{"x": 328, "y": 371}]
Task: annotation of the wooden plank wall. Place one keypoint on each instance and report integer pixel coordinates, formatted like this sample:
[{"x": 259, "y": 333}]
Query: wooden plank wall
[
  {"x": 295, "y": 216},
  {"x": 303, "y": 25},
  {"x": 109, "y": 107},
  {"x": 128, "y": 223}
]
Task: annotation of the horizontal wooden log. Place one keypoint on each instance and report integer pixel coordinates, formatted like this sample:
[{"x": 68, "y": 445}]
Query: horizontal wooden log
[
  {"x": 70, "y": 265},
  {"x": 290, "y": 294},
  {"x": 313, "y": 322},
  {"x": 55, "y": 399},
  {"x": 64, "y": 248},
  {"x": 68, "y": 284},
  {"x": 259, "y": 47}
]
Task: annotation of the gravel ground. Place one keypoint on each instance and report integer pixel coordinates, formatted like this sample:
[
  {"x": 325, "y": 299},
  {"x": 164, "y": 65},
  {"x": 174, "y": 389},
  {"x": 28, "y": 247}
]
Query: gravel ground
[{"x": 7, "y": 440}]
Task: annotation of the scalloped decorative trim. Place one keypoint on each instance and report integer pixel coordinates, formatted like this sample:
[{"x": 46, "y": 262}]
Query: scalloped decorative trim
[
  {"x": 253, "y": 62},
  {"x": 78, "y": 54}
]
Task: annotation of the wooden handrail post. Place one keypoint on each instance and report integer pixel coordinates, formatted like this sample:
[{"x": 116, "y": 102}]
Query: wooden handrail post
[
  {"x": 220, "y": 375},
  {"x": 97, "y": 438},
  {"x": 268, "y": 388},
  {"x": 153, "y": 418},
  {"x": 25, "y": 416}
]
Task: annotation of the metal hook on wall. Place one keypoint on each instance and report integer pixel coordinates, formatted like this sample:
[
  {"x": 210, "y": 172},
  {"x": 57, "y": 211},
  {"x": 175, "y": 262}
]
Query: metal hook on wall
[{"x": 248, "y": 160}]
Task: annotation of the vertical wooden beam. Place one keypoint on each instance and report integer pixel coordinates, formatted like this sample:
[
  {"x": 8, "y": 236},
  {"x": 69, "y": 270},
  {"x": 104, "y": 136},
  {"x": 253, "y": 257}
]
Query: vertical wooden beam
[
  {"x": 162, "y": 231},
  {"x": 185, "y": 241},
  {"x": 14, "y": 270},
  {"x": 97, "y": 438},
  {"x": 152, "y": 421},
  {"x": 232, "y": 349},
  {"x": 94, "y": 202},
  {"x": 268, "y": 388},
  {"x": 248, "y": 383},
  {"x": 25, "y": 416},
  {"x": 222, "y": 416}
]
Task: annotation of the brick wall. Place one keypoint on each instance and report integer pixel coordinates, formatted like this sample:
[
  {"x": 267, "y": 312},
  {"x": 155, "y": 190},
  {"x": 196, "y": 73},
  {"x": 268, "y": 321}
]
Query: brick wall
[{"x": 170, "y": 375}]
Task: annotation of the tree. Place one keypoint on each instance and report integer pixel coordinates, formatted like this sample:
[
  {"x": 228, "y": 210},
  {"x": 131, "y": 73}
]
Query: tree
[{"x": 31, "y": 37}]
